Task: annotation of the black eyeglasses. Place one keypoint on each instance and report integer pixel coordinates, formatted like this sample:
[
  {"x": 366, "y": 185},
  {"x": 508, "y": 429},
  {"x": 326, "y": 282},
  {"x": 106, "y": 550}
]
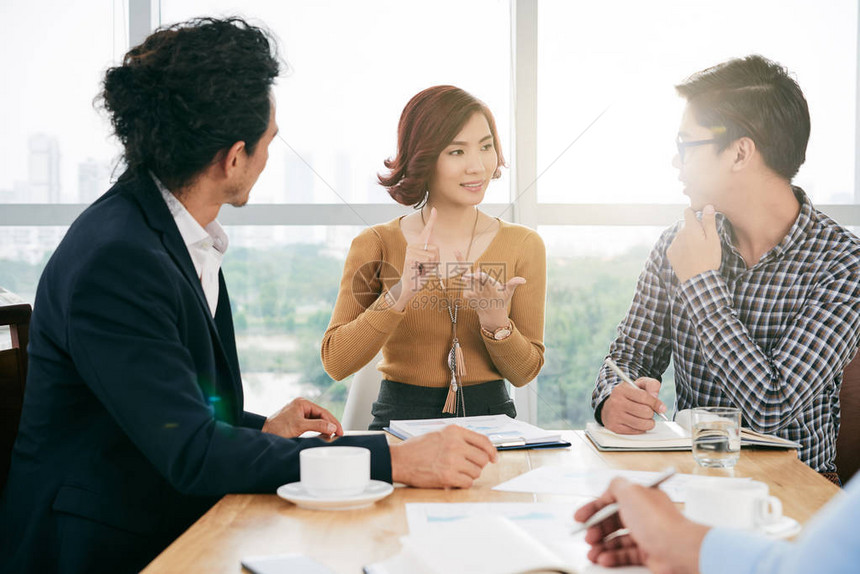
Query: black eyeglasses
[{"x": 682, "y": 145}]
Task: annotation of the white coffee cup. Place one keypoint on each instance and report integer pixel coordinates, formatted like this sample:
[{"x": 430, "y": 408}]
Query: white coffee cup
[
  {"x": 740, "y": 504},
  {"x": 335, "y": 471}
]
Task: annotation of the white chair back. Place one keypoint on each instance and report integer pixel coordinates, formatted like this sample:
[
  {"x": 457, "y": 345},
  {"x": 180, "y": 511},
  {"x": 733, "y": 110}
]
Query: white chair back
[{"x": 362, "y": 392}]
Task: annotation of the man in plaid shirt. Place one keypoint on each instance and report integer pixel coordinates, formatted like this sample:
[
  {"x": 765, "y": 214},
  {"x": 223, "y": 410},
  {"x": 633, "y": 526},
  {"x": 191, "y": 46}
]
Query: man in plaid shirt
[{"x": 758, "y": 301}]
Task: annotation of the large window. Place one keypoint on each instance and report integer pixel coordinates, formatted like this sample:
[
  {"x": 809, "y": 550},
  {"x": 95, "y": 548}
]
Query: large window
[
  {"x": 597, "y": 77},
  {"x": 591, "y": 277},
  {"x": 353, "y": 66},
  {"x": 282, "y": 296},
  {"x": 55, "y": 146},
  {"x": 606, "y": 76}
]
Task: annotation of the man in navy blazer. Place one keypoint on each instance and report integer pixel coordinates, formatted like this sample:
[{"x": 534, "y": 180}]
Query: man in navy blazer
[{"x": 133, "y": 421}]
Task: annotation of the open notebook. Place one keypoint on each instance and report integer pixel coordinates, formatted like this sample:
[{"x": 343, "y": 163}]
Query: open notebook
[
  {"x": 503, "y": 431},
  {"x": 671, "y": 436}
]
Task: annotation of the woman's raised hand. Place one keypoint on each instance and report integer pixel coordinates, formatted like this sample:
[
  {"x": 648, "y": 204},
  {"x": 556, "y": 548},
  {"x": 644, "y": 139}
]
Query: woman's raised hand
[
  {"x": 420, "y": 265},
  {"x": 487, "y": 296}
]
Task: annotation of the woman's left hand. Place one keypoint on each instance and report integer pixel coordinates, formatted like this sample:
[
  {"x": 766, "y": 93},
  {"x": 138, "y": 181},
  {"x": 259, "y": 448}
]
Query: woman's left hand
[{"x": 488, "y": 297}]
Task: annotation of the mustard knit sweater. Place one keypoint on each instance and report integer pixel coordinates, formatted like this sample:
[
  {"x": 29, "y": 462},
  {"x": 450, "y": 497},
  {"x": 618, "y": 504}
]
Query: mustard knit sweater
[{"x": 415, "y": 342}]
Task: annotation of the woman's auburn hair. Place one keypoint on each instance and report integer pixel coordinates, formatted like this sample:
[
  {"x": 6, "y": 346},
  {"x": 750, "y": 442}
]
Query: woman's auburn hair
[{"x": 429, "y": 123}]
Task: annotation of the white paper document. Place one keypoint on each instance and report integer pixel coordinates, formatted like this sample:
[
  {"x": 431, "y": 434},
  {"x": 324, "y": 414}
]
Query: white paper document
[
  {"x": 492, "y": 538},
  {"x": 592, "y": 483},
  {"x": 542, "y": 520}
]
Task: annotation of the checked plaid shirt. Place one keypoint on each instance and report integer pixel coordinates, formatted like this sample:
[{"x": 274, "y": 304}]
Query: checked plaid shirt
[{"x": 771, "y": 340}]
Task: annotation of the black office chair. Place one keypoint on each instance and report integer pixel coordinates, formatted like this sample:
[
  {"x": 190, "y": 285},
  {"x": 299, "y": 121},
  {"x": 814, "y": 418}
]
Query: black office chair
[
  {"x": 14, "y": 313},
  {"x": 848, "y": 441}
]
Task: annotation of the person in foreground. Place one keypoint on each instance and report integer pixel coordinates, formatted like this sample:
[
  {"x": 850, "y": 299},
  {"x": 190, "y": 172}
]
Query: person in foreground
[
  {"x": 758, "y": 302},
  {"x": 662, "y": 539},
  {"x": 452, "y": 296},
  {"x": 133, "y": 422}
]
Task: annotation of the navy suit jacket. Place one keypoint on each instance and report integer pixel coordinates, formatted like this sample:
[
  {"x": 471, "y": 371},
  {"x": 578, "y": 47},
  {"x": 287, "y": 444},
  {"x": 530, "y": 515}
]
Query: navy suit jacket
[{"x": 133, "y": 421}]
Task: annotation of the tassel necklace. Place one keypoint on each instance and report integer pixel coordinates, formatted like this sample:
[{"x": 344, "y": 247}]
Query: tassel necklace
[{"x": 454, "y": 403}]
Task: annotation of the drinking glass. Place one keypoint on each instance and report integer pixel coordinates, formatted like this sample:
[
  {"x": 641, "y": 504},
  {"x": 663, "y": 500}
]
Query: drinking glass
[{"x": 716, "y": 436}]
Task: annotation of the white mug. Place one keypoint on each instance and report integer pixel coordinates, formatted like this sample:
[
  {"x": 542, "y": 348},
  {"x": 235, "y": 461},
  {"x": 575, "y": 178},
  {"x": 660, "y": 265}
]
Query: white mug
[
  {"x": 335, "y": 471},
  {"x": 740, "y": 504}
]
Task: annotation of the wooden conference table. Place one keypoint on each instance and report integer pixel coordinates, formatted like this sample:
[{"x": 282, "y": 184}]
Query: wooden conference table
[{"x": 247, "y": 525}]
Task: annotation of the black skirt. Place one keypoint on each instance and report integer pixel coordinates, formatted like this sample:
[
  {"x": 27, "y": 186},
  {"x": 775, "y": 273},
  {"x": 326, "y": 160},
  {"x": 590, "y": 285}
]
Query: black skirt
[{"x": 399, "y": 401}]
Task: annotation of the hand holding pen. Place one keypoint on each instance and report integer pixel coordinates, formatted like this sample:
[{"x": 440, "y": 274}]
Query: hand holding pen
[
  {"x": 630, "y": 407},
  {"x": 660, "y": 537},
  {"x": 611, "y": 510},
  {"x": 628, "y": 380}
]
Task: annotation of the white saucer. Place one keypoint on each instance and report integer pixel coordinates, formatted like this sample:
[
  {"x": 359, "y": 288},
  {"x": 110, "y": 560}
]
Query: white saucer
[
  {"x": 785, "y": 527},
  {"x": 296, "y": 493}
]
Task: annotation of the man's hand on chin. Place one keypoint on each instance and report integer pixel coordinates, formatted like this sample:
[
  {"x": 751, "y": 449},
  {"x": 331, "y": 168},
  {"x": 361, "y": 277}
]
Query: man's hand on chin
[{"x": 696, "y": 248}]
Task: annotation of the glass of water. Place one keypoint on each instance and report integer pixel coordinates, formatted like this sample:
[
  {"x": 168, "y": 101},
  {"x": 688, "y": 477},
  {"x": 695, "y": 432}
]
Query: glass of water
[{"x": 716, "y": 436}]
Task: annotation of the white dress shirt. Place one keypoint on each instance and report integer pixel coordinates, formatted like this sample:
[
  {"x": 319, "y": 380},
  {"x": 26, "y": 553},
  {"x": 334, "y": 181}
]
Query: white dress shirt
[{"x": 206, "y": 246}]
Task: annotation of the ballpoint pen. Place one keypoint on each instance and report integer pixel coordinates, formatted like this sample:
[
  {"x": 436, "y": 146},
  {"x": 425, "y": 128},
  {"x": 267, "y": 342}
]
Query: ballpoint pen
[
  {"x": 611, "y": 364},
  {"x": 611, "y": 509}
]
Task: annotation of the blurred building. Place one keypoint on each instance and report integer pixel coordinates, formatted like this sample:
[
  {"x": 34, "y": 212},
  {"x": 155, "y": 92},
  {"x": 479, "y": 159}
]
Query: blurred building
[
  {"x": 93, "y": 180},
  {"x": 43, "y": 169}
]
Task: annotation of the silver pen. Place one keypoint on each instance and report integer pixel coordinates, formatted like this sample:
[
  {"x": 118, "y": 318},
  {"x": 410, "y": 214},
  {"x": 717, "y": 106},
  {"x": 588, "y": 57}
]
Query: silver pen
[
  {"x": 611, "y": 364},
  {"x": 611, "y": 509}
]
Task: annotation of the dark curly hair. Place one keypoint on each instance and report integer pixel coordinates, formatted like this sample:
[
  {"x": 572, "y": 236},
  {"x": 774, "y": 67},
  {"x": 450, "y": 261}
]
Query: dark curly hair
[
  {"x": 429, "y": 123},
  {"x": 756, "y": 98},
  {"x": 188, "y": 92}
]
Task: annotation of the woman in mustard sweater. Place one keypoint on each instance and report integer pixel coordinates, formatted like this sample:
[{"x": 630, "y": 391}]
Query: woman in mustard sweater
[{"x": 452, "y": 296}]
